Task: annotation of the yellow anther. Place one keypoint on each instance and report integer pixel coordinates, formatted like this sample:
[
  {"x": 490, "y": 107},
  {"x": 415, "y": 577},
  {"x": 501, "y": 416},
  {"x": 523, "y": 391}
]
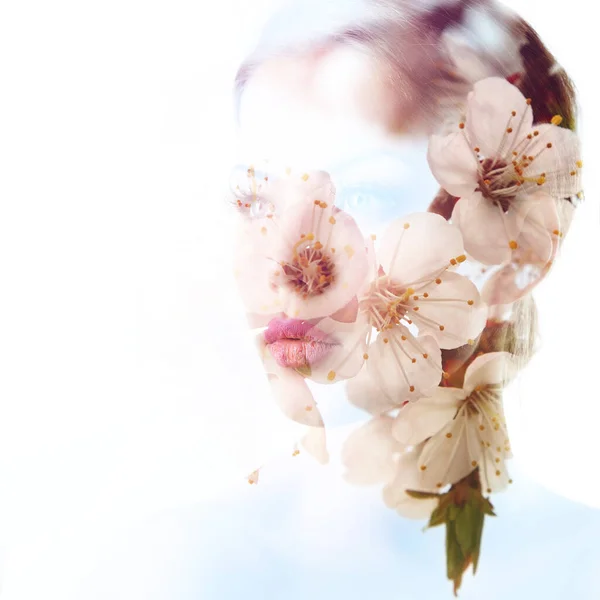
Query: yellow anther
[
  {"x": 323, "y": 205},
  {"x": 373, "y": 237},
  {"x": 477, "y": 149},
  {"x": 528, "y": 100},
  {"x": 385, "y": 340},
  {"x": 509, "y": 130},
  {"x": 498, "y": 473},
  {"x": 310, "y": 236},
  {"x": 453, "y": 261},
  {"x": 489, "y": 490},
  {"x": 414, "y": 360},
  {"x": 403, "y": 338},
  {"x": 308, "y": 408},
  {"x": 497, "y": 460},
  {"x": 461, "y": 125},
  {"x": 482, "y": 428},
  {"x": 438, "y": 281},
  {"x": 263, "y": 230},
  {"x": 514, "y": 113},
  {"x": 473, "y": 463},
  {"x": 448, "y": 435},
  {"x": 406, "y": 225},
  {"x": 305, "y": 177},
  {"x": 541, "y": 180},
  {"x": 411, "y": 388},
  {"x": 365, "y": 356},
  {"x": 425, "y": 295},
  {"x": 349, "y": 251},
  {"x": 461, "y": 258},
  {"x": 442, "y": 328},
  {"x": 471, "y": 342},
  {"x": 295, "y": 452},
  {"x": 579, "y": 164},
  {"x": 331, "y": 375},
  {"x": 556, "y": 120},
  {"x": 423, "y": 467},
  {"x": 332, "y": 220},
  {"x": 470, "y": 302},
  {"x": 415, "y": 297},
  {"x": 445, "y": 375},
  {"x": 439, "y": 485},
  {"x": 416, "y": 308},
  {"x": 425, "y": 355},
  {"x": 513, "y": 245},
  {"x": 333, "y": 251}
]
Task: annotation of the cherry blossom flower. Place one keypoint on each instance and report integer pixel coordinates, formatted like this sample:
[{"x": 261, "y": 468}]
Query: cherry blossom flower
[
  {"x": 417, "y": 304},
  {"x": 496, "y": 163},
  {"x": 461, "y": 429},
  {"x": 373, "y": 456},
  {"x": 308, "y": 263}
]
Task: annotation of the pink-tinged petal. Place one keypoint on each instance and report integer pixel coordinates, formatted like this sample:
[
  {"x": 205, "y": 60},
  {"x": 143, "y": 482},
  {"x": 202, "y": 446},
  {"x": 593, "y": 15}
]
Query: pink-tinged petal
[
  {"x": 407, "y": 478},
  {"x": 557, "y": 154},
  {"x": 345, "y": 355},
  {"x": 369, "y": 453},
  {"x": 419, "y": 246},
  {"x": 419, "y": 420},
  {"x": 453, "y": 163},
  {"x": 451, "y": 454},
  {"x": 487, "y": 231},
  {"x": 494, "y": 368},
  {"x": 315, "y": 443},
  {"x": 294, "y": 398},
  {"x": 489, "y": 115},
  {"x": 348, "y": 313},
  {"x": 450, "y": 310},
  {"x": 396, "y": 370}
]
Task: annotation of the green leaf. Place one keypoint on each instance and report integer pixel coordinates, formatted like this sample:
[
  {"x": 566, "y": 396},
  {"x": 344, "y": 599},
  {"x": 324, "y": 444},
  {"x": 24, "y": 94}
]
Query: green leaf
[
  {"x": 439, "y": 516},
  {"x": 455, "y": 559}
]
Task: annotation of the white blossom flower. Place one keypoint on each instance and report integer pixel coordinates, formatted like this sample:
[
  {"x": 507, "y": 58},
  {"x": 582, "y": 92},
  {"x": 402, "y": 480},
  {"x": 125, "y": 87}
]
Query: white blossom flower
[
  {"x": 461, "y": 429},
  {"x": 495, "y": 163},
  {"x": 417, "y": 305},
  {"x": 308, "y": 263}
]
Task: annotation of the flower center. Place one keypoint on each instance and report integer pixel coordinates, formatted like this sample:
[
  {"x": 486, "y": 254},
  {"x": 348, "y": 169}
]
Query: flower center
[
  {"x": 310, "y": 272},
  {"x": 498, "y": 181},
  {"x": 386, "y": 304}
]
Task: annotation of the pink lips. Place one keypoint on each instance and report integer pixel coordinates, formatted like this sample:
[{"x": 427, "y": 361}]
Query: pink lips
[{"x": 296, "y": 344}]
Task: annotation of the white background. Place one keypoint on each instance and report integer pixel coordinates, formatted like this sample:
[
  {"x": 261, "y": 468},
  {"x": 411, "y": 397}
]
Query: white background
[{"x": 124, "y": 388}]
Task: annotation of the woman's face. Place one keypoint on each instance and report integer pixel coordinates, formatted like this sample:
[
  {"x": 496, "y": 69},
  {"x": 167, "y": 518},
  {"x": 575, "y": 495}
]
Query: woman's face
[{"x": 342, "y": 182}]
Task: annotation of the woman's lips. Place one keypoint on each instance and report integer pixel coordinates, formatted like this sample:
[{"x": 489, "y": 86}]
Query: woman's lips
[{"x": 296, "y": 344}]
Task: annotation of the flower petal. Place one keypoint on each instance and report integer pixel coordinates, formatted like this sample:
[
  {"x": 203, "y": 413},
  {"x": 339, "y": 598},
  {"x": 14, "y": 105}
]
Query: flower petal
[
  {"x": 419, "y": 420},
  {"x": 407, "y": 478},
  {"x": 294, "y": 398},
  {"x": 559, "y": 162},
  {"x": 451, "y": 310},
  {"x": 346, "y": 355},
  {"x": 451, "y": 454},
  {"x": 453, "y": 163},
  {"x": 489, "y": 114},
  {"x": 494, "y": 368},
  {"x": 315, "y": 443},
  {"x": 487, "y": 231},
  {"x": 396, "y": 370},
  {"x": 419, "y": 246},
  {"x": 369, "y": 453}
]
